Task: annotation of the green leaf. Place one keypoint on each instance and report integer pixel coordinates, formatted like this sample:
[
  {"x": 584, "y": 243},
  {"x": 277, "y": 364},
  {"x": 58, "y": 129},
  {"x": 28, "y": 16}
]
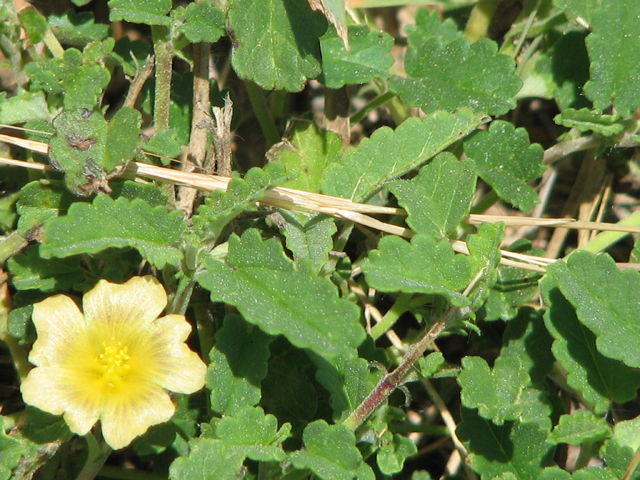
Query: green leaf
[
  {"x": 238, "y": 365},
  {"x": 81, "y": 83},
  {"x": 389, "y": 154},
  {"x": 77, "y": 29},
  {"x": 289, "y": 391},
  {"x": 39, "y": 201},
  {"x": 447, "y": 73},
  {"x": 579, "y": 427},
  {"x": 484, "y": 255},
  {"x": 585, "y": 120},
  {"x": 34, "y": 24},
  {"x": 275, "y": 42},
  {"x": 42, "y": 427},
  {"x": 586, "y": 9},
  {"x": 24, "y": 108},
  {"x": 330, "y": 452},
  {"x": 439, "y": 197},
  {"x": 309, "y": 237},
  {"x": 606, "y": 301},
  {"x": 422, "y": 266},
  {"x": 429, "y": 26},
  {"x": 308, "y": 153},
  {"x": 613, "y": 50},
  {"x": 494, "y": 392},
  {"x": 394, "y": 450},
  {"x": 89, "y": 151},
  {"x": 203, "y": 23},
  {"x": 241, "y": 195},
  {"x": 598, "y": 378},
  {"x": 271, "y": 292},
  {"x": 150, "y": 12},
  {"x": 527, "y": 339},
  {"x": 164, "y": 144},
  {"x": 335, "y": 13},
  {"x": 20, "y": 325},
  {"x": 505, "y": 159},
  {"x": 208, "y": 459},
  {"x": 106, "y": 223},
  {"x": 513, "y": 288},
  {"x": 619, "y": 450},
  {"x": 519, "y": 448},
  {"x": 29, "y": 271},
  {"x": 254, "y": 434},
  {"x": 430, "y": 364},
  {"x": 369, "y": 57},
  {"x": 11, "y": 450}
]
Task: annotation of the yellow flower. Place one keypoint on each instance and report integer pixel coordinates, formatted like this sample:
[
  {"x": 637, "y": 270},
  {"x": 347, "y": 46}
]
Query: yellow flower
[{"x": 114, "y": 363}]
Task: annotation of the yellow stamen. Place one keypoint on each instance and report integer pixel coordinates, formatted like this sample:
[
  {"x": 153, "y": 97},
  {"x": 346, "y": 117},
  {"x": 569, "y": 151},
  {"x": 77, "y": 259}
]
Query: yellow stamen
[{"x": 114, "y": 363}]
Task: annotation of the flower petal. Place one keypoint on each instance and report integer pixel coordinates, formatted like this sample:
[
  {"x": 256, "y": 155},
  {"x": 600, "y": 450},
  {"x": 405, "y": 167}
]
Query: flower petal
[
  {"x": 168, "y": 361},
  {"x": 122, "y": 311},
  {"x": 61, "y": 328},
  {"x": 52, "y": 390},
  {"x": 127, "y": 416}
]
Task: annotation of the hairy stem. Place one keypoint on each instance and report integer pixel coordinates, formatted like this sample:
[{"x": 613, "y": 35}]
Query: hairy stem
[
  {"x": 261, "y": 109},
  {"x": 164, "y": 58},
  {"x": 392, "y": 380}
]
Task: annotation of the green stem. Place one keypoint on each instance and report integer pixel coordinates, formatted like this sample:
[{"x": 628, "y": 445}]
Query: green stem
[
  {"x": 400, "y": 306},
  {"x": 480, "y": 19},
  {"x": 182, "y": 297},
  {"x": 11, "y": 245},
  {"x": 164, "y": 58},
  {"x": 98, "y": 454},
  {"x": 604, "y": 240},
  {"x": 53, "y": 44},
  {"x": 261, "y": 109},
  {"x": 205, "y": 328},
  {"x": 372, "y": 105},
  {"x": 525, "y": 32}
]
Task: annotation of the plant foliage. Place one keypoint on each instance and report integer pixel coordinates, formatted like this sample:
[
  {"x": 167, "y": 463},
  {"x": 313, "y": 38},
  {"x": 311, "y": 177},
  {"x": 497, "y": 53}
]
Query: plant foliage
[{"x": 405, "y": 338}]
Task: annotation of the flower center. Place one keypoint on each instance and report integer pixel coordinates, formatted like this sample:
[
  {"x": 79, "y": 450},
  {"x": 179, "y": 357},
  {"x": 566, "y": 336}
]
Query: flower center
[{"x": 114, "y": 363}]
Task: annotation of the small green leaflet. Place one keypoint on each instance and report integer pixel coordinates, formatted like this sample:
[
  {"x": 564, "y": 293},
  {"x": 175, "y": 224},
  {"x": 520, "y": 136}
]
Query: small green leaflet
[
  {"x": 308, "y": 153},
  {"x": 439, "y": 197},
  {"x": 369, "y": 57},
  {"x": 520, "y": 449},
  {"x": 614, "y": 49},
  {"x": 151, "y": 12},
  {"x": 494, "y": 392},
  {"x": 585, "y": 120},
  {"x": 275, "y": 42},
  {"x": 444, "y": 71},
  {"x": 600, "y": 379},
  {"x": 394, "y": 450},
  {"x": 90, "y": 151},
  {"x": 330, "y": 452},
  {"x": 389, "y": 154},
  {"x": 309, "y": 236},
  {"x": 422, "y": 266},
  {"x": 506, "y": 160},
  {"x": 238, "y": 365},
  {"x": 275, "y": 294},
  {"x": 203, "y": 23},
  {"x": 241, "y": 195},
  {"x": 107, "y": 223},
  {"x": 579, "y": 427},
  {"x": 254, "y": 434},
  {"x": 208, "y": 459},
  {"x": 606, "y": 301}
]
